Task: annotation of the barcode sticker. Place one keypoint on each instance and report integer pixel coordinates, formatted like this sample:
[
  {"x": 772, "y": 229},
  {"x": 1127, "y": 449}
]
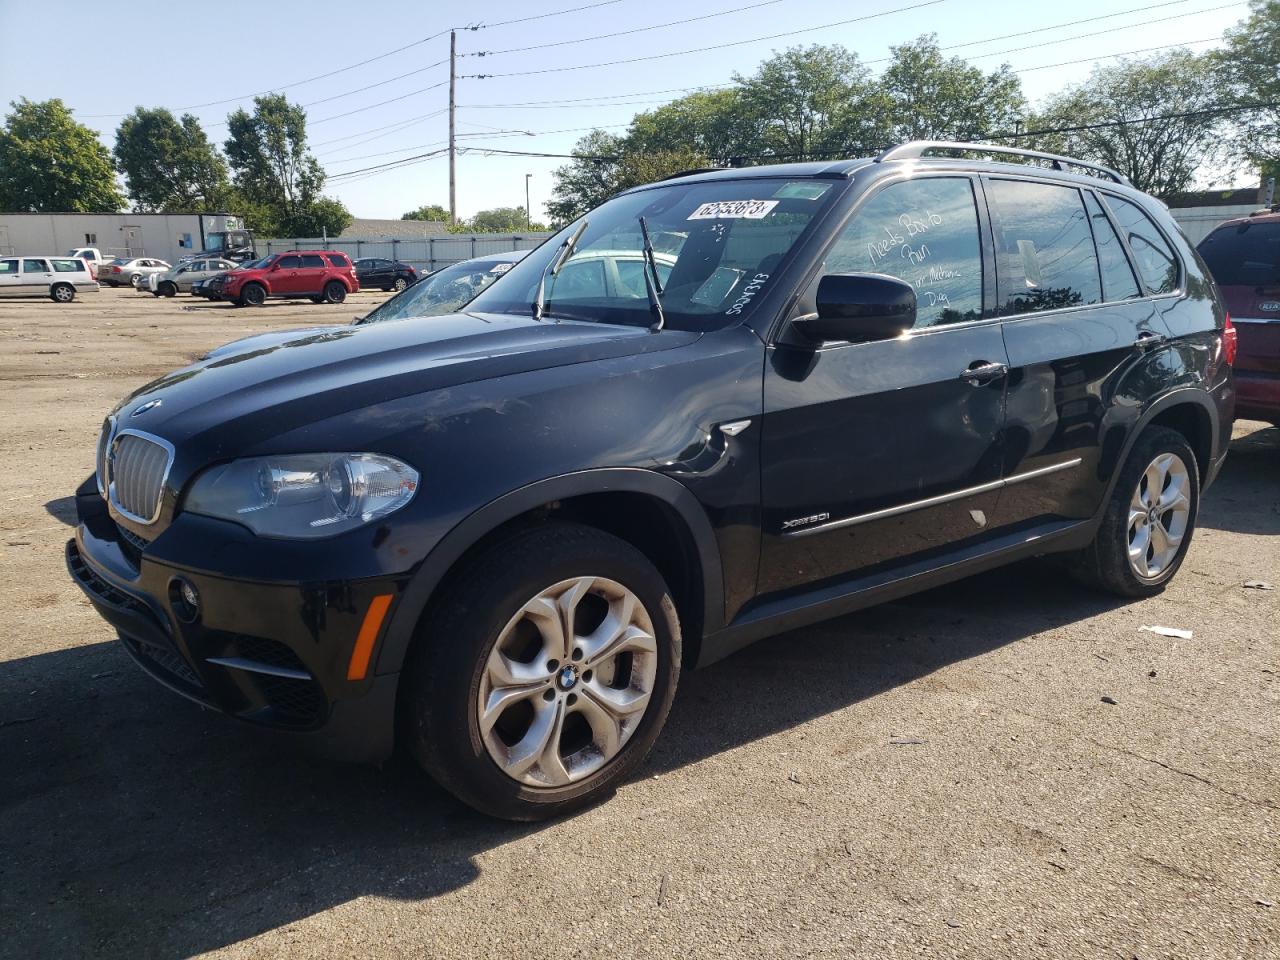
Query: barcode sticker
[{"x": 734, "y": 210}]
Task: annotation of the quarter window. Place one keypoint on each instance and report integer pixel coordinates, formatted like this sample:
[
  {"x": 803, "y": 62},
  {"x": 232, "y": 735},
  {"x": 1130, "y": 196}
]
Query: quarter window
[
  {"x": 68, "y": 266},
  {"x": 339, "y": 260},
  {"x": 1156, "y": 260},
  {"x": 1045, "y": 247},
  {"x": 924, "y": 232},
  {"x": 1118, "y": 281}
]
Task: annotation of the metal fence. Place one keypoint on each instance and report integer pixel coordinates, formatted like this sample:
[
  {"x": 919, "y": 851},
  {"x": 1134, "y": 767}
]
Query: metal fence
[{"x": 427, "y": 254}]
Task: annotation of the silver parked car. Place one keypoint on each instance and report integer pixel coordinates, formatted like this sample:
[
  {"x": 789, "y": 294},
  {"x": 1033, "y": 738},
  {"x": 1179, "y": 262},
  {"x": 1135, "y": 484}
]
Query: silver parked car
[
  {"x": 184, "y": 275},
  {"x": 129, "y": 270},
  {"x": 58, "y": 278}
]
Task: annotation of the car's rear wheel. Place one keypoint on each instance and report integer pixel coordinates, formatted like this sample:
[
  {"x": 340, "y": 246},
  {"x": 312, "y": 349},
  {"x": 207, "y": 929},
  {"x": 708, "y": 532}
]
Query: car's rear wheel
[
  {"x": 253, "y": 295},
  {"x": 1147, "y": 527},
  {"x": 544, "y": 678},
  {"x": 334, "y": 292},
  {"x": 168, "y": 288},
  {"x": 400, "y": 284},
  {"x": 62, "y": 293}
]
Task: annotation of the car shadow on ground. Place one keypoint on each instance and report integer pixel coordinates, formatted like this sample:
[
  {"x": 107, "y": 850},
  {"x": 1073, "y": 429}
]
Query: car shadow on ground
[
  {"x": 136, "y": 824},
  {"x": 1233, "y": 502},
  {"x": 63, "y": 509}
]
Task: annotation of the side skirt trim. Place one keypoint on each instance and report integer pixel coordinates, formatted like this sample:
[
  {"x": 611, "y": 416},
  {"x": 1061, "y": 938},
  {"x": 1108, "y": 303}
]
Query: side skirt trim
[{"x": 933, "y": 501}]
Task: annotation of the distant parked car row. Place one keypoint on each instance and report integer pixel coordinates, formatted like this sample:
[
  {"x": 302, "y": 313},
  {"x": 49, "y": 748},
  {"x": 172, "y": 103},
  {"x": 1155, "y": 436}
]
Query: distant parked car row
[
  {"x": 129, "y": 270},
  {"x": 185, "y": 275}
]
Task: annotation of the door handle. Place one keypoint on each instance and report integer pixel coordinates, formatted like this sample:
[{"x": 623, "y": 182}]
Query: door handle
[
  {"x": 1148, "y": 339},
  {"x": 983, "y": 371}
]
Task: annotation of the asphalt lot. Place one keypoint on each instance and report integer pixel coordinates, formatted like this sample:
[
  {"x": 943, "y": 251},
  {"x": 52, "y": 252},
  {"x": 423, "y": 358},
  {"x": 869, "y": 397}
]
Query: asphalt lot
[{"x": 938, "y": 777}]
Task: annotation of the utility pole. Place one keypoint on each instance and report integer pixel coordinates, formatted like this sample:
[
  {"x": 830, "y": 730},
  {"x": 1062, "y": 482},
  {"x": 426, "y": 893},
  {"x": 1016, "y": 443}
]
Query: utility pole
[
  {"x": 528, "y": 211},
  {"x": 453, "y": 152}
]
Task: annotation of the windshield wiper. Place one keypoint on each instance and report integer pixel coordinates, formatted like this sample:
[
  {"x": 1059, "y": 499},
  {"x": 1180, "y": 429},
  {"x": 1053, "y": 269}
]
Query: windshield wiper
[
  {"x": 652, "y": 285},
  {"x": 564, "y": 253}
]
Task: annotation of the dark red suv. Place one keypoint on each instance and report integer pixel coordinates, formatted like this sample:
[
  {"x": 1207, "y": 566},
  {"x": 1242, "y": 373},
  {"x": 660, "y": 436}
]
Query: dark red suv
[
  {"x": 1244, "y": 257},
  {"x": 321, "y": 275}
]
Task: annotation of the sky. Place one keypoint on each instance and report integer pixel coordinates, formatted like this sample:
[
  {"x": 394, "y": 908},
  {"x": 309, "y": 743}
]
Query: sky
[{"x": 154, "y": 54}]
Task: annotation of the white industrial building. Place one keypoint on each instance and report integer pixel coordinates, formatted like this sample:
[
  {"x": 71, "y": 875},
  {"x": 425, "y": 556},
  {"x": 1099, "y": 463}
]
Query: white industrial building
[{"x": 166, "y": 236}]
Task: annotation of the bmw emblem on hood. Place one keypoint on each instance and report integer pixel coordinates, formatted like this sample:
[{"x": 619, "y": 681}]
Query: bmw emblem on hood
[{"x": 149, "y": 405}]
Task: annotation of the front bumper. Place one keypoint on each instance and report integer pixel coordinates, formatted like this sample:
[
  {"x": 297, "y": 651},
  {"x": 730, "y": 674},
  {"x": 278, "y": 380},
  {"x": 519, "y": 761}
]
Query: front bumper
[{"x": 278, "y": 655}]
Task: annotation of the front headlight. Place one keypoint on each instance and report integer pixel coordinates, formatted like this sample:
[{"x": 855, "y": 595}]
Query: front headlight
[{"x": 304, "y": 496}]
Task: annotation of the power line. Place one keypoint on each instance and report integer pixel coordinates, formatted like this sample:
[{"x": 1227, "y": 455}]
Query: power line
[
  {"x": 624, "y": 33},
  {"x": 399, "y": 124},
  {"x": 1106, "y": 56},
  {"x": 717, "y": 46},
  {"x": 369, "y": 60}
]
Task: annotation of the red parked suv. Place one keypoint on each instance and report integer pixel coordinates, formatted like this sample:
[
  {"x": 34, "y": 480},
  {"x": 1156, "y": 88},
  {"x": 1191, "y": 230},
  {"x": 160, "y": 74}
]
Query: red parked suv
[
  {"x": 1244, "y": 257},
  {"x": 322, "y": 275}
]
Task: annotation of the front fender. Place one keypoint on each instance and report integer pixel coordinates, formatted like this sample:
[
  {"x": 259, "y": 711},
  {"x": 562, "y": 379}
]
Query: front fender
[{"x": 468, "y": 532}]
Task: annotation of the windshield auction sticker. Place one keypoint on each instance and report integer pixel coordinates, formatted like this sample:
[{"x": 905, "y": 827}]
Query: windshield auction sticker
[{"x": 734, "y": 210}]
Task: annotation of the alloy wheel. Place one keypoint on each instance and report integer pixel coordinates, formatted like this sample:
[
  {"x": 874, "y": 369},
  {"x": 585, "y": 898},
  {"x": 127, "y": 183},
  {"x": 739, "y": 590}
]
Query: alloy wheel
[
  {"x": 1159, "y": 512},
  {"x": 568, "y": 681}
]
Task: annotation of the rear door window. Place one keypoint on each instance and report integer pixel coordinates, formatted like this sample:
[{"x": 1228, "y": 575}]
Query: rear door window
[
  {"x": 34, "y": 266},
  {"x": 312, "y": 260},
  {"x": 924, "y": 232},
  {"x": 1244, "y": 255},
  {"x": 1157, "y": 262},
  {"x": 1044, "y": 245},
  {"x": 1118, "y": 281}
]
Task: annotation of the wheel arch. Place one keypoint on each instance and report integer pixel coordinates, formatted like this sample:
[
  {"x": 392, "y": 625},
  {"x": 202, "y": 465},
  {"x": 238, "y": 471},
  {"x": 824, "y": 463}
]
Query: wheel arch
[
  {"x": 646, "y": 508},
  {"x": 1190, "y": 412}
]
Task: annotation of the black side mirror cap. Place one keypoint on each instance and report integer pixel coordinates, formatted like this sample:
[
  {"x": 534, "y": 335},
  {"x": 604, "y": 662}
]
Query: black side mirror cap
[{"x": 859, "y": 307}]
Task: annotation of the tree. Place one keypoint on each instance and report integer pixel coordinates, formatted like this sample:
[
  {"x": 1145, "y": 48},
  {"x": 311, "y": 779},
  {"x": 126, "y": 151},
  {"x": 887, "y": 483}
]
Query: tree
[
  {"x": 502, "y": 220},
  {"x": 49, "y": 162},
  {"x": 588, "y": 180},
  {"x": 815, "y": 102},
  {"x": 275, "y": 174},
  {"x": 432, "y": 212},
  {"x": 170, "y": 165},
  {"x": 1159, "y": 156},
  {"x": 930, "y": 97},
  {"x": 1248, "y": 69}
]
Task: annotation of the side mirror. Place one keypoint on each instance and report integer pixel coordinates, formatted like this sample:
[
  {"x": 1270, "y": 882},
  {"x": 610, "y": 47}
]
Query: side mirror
[{"x": 858, "y": 307}]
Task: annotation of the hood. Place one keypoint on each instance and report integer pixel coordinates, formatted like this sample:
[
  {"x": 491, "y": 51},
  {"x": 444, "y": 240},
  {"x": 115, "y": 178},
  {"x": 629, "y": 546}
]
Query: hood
[{"x": 268, "y": 384}]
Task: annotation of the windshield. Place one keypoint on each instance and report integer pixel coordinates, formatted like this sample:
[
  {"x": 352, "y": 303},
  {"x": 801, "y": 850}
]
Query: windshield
[
  {"x": 1244, "y": 255},
  {"x": 445, "y": 291},
  {"x": 215, "y": 241},
  {"x": 717, "y": 245},
  {"x": 258, "y": 264}
]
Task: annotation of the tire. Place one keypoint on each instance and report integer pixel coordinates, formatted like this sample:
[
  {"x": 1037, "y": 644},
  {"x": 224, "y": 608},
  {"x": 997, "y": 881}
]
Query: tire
[
  {"x": 62, "y": 293},
  {"x": 133, "y": 279},
  {"x": 1127, "y": 542},
  {"x": 168, "y": 288},
  {"x": 334, "y": 292},
  {"x": 252, "y": 295},
  {"x": 400, "y": 284},
  {"x": 451, "y": 668}
]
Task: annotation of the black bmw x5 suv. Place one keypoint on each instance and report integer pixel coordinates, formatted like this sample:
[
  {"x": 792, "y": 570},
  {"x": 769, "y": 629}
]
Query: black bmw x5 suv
[{"x": 715, "y": 408}]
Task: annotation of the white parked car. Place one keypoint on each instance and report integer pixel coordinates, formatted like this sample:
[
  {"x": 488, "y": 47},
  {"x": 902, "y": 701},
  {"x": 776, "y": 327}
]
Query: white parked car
[
  {"x": 181, "y": 277},
  {"x": 59, "y": 278},
  {"x": 129, "y": 270}
]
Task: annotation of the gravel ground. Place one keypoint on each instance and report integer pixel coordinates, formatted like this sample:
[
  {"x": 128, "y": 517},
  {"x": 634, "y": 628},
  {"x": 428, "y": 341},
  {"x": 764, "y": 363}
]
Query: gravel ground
[{"x": 939, "y": 777}]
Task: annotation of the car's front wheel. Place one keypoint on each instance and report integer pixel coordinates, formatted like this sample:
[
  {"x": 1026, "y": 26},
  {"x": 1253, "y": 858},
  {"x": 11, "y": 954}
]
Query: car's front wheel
[
  {"x": 1147, "y": 527},
  {"x": 252, "y": 295},
  {"x": 546, "y": 675}
]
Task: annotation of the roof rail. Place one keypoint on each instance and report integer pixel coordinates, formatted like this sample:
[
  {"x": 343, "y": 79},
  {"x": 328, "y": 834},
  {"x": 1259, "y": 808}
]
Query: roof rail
[
  {"x": 916, "y": 150},
  {"x": 690, "y": 173}
]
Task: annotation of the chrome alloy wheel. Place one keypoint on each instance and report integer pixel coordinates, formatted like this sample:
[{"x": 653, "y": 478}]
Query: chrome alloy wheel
[
  {"x": 1158, "y": 515},
  {"x": 567, "y": 682}
]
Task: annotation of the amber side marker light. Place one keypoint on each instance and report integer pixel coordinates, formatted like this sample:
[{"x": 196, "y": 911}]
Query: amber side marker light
[{"x": 377, "y": 612}]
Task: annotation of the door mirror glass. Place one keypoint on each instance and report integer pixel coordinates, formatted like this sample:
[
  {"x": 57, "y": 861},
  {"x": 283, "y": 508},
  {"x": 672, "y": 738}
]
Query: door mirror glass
[{"x": 860, "y": 306}]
